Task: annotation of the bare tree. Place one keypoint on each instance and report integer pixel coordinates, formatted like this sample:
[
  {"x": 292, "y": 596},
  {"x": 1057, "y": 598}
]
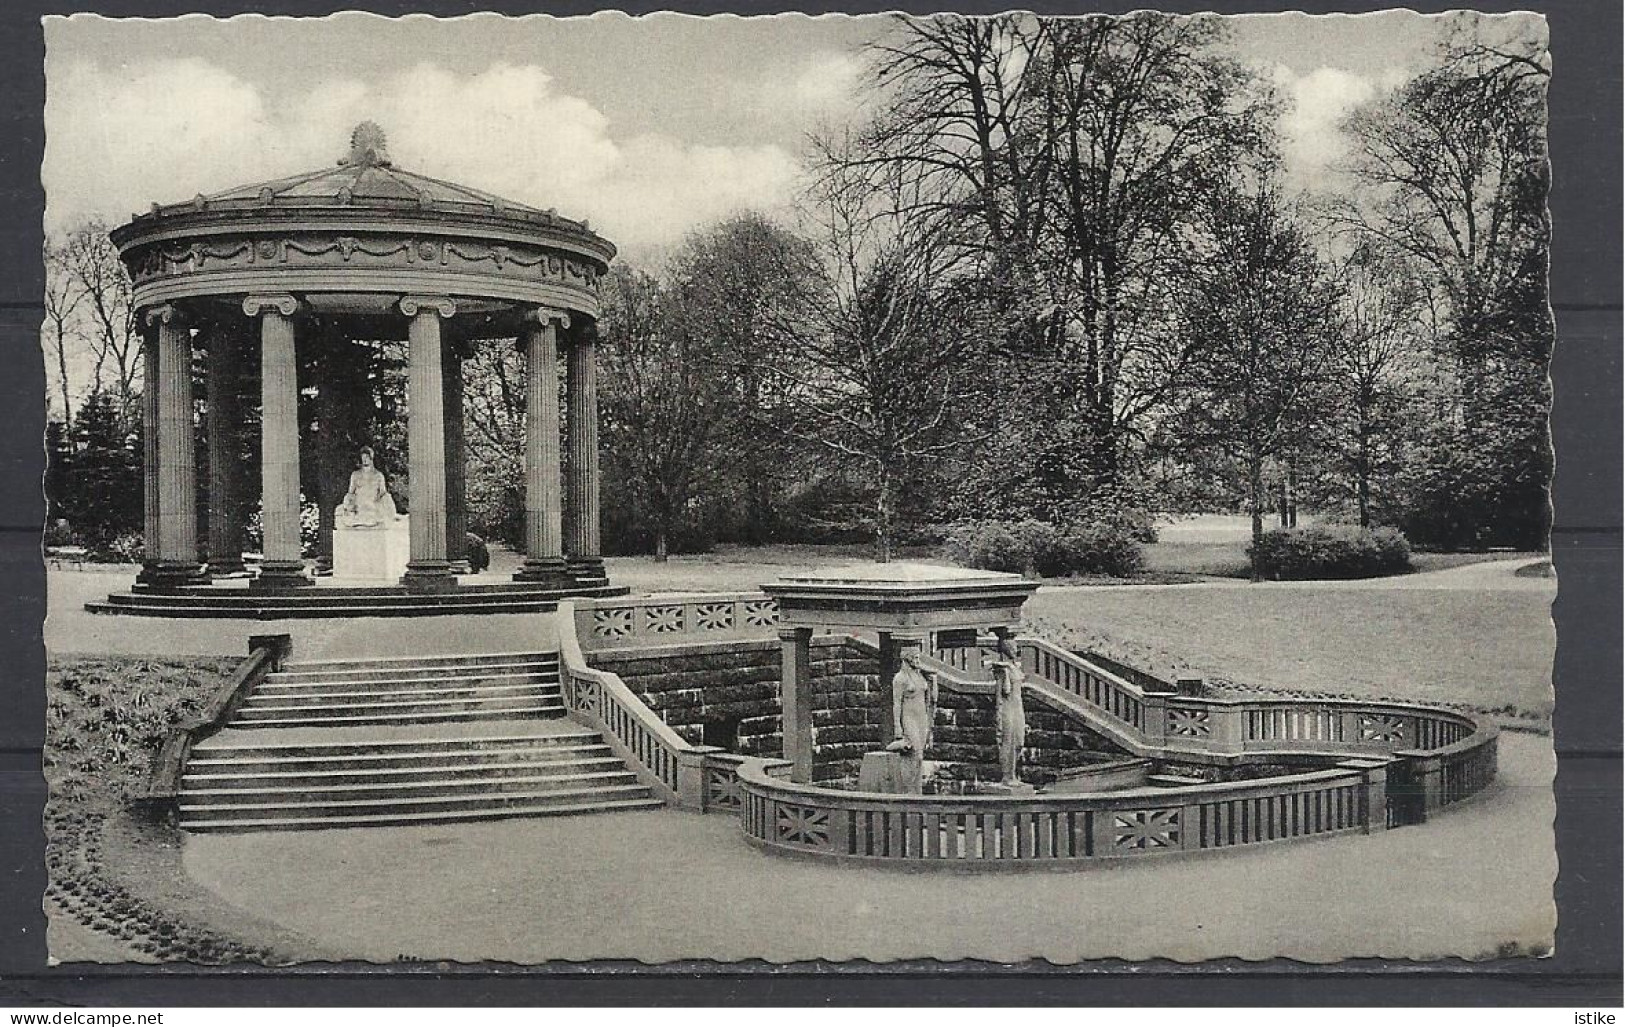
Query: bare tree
[
  {"x": 1378, "y": 348},
  {"x": 110, "y": 330},
  {"x": 1063, "y": 154},
  {"x": 63, "y": 295},
  {"x": 880, "y": 372}
]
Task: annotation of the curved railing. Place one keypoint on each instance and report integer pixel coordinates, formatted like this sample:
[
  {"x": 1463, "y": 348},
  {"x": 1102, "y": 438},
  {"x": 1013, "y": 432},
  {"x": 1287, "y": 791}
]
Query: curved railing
[
  {"x": 1395, "y": 764},
  {"x": 991, "y": 831},
  {"x": 1392, "y": 764}
]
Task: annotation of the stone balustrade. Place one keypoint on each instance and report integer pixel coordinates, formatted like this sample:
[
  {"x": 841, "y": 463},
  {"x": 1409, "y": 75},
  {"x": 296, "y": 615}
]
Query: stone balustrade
[
  {"x": 1389, "y": 764},
  {"x": 612, "y": 623}
]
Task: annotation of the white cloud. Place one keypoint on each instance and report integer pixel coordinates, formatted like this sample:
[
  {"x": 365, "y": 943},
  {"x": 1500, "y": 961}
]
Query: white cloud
[
  {"x": 119, "y": 139},
  {"x": 1316, "y": 103}
]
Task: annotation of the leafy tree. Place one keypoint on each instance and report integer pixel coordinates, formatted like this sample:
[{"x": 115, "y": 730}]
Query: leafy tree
[
  {"x": 661, "y": 407},
  {"x": 1454, "y": 175},
  {"x": 741, "y": 287},
  {"x": 1261, "y": 302}
]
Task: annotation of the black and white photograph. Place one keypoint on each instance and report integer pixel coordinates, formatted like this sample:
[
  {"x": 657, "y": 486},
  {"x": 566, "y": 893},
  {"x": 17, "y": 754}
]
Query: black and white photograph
[{"x": 862, "y": 489}]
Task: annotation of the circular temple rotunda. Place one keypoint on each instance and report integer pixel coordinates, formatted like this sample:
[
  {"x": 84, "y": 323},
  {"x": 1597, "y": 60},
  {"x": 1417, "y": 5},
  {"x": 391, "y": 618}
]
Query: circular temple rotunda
[{"x": 267, "y": 274}]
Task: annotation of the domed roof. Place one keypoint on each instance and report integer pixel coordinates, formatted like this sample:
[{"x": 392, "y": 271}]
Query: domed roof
[
  {"x": 366, "y": 177},
  {"x": 363, "y": 226},
  {"x": 366, "y": 181}
]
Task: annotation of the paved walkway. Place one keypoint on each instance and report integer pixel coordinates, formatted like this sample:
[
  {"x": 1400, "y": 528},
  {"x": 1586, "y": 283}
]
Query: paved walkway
[{"x": 659, "y": 886}]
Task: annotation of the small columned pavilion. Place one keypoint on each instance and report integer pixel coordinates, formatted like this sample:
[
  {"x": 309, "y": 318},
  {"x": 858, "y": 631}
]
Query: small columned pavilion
[{"x": 362, "y": 250}]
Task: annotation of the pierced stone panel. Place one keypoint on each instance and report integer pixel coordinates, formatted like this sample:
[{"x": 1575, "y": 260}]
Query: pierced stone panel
[
  {"x": 803, "y": 825},
  {"x": 762, "y": 613},
  {"x": 612, "y": 623},
  {"x": 1381, "y": 727},
  {"x": 1146, "y": 829},
  {"x": 714, "y": 616},
  {"x": 662, "y": 620},
  {"x": 722, "y": 788},
  {"x": 1189, "y": 723}
]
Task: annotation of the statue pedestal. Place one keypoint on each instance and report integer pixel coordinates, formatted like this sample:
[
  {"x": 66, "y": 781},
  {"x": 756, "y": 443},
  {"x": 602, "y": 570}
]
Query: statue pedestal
[
  {"x": 890, "y": 773},
  {"x": 372, "y": 554}
]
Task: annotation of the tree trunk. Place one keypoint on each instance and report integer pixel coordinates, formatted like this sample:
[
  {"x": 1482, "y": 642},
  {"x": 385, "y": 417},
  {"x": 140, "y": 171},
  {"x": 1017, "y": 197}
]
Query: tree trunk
[
  {"x": 1255, "y": 482},
  {"x": 1363, "y": 481},
  {"x": 883, "y": 513},
  {"x": 661, "y": 553}
]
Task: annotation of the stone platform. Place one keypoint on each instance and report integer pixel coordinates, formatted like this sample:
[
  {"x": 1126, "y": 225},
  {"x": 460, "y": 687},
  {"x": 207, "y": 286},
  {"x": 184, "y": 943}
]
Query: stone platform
[{"x": 236, "y": 600}]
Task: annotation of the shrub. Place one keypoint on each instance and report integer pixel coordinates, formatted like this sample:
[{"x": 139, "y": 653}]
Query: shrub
[
  {"x": 1331, "y": 551},
  {"x": 1037, "y": 548}
]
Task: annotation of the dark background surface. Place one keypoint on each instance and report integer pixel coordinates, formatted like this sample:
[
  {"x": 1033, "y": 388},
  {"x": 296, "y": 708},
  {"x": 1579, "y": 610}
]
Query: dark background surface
[{"x": 1585, "y": 289}]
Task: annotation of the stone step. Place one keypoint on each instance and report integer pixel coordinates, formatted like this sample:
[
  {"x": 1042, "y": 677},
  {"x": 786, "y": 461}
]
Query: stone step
[
  {"x": 401, "y": 819},
  {"x": 427, "y": 788},
  {"x": 405, "y": 673},
  {"x": 340, "y": 695},
  {"x": 230, "y": 775},
  {"x": 193, "y": 813},
  {"x": 453, "y": 662},
  {"x": 246, "y": 610},
  {"x": 378, "y": 763},
  {"x": 397, "y": 713},
  {"x": 232, "y": 745}
]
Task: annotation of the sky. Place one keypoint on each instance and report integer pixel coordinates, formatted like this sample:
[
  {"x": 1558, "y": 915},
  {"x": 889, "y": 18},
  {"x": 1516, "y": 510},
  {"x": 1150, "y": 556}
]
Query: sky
[{"x": 649, "y": 127}]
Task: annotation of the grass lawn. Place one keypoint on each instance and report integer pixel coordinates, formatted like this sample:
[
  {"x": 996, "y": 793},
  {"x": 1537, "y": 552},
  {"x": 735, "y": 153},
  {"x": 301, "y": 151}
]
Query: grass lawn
[{"x": 1487, "y": 648}]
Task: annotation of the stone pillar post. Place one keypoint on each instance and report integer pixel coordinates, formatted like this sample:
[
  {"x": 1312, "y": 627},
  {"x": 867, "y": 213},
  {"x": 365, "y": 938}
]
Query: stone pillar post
[
  {"x": 177, "y": 458},
  {"x": 150, "y": 573},
  {"x": 582, "y": 549},
  {"x": 428, "y": 569},
  {"x": 451, "y": 378},
  {"x": 796, "y": 701},
  {"x": 225, "y": 524},
  {"x": 544, "y": 535},
  {"x": 284, "y": 562}
]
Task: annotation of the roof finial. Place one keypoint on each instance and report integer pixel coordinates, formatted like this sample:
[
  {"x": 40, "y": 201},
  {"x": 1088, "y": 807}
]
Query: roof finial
[{"x": 367, "y": 145}]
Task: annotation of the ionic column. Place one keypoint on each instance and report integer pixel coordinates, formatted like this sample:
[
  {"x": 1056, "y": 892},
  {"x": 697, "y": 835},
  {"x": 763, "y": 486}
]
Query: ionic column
[
  {"x": 582, "y": 555},
  {"x": 456, "y": 470},
  {"x": 428, "y": 568},
  {"x": 177, "y": 458},
  {"x": 284, "y": 562},
  {"x": 225, "y": 537},
  {"x": 796, "y": 701},
  {"x": 544, "y": 534},
  {"x": 150, "y": 573}
]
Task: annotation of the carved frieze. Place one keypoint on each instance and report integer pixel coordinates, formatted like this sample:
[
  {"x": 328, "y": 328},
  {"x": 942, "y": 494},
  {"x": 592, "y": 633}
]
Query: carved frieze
[{"x": 532, "y": 263}]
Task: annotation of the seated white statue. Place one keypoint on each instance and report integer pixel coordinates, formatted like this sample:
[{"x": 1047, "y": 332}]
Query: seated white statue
[{"x": 368, "y": 504}]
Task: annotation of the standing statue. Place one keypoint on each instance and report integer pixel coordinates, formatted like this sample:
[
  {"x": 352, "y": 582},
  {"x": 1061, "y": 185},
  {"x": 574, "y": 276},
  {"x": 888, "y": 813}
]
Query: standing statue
[
  {"x": 914, "y": 706},
  {"x": 1010, "y": 717},
  {"x": 368, "y": 504}
]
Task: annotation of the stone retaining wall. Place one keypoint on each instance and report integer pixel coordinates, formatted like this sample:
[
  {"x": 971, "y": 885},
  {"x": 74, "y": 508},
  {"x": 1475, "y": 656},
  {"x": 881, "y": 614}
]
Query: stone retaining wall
[{"x": 691, "y": 686}]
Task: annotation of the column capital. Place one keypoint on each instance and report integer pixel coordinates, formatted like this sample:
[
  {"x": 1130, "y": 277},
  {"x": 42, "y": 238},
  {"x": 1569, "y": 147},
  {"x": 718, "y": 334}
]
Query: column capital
[
  {"x": 411, "y": 305},
  {"x": 164, "y": 313},
  {"x": 282, "y": 303},
  {"x": 545, "y": 316}
]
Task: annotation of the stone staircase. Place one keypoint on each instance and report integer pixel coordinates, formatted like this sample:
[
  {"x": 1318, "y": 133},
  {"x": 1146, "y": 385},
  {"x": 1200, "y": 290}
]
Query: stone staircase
[{"x": 402, "y": 741}]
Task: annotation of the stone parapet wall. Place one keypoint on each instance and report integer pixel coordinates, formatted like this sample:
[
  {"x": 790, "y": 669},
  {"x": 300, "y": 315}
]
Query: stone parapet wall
[{"x": 692, "y": 685}]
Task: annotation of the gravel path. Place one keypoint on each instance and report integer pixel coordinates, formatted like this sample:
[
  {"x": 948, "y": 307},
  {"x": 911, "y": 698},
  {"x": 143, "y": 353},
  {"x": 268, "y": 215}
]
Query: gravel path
[{"x": 661, "y": 885}]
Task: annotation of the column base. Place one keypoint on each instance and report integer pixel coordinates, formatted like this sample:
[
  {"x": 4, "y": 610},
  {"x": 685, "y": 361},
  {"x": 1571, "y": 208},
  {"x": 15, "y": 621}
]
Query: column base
[
  {"x": 545, "y": 570},
  {"x": 278, "y": 575},
  {"x": 172, "y": 574},
  {"x": 226, "y": 565},
  {"x": 586, "y": 571},
  {"x": 460, "y": 566},
  {"x": 429, "y": 576}
]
